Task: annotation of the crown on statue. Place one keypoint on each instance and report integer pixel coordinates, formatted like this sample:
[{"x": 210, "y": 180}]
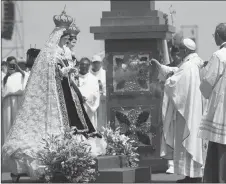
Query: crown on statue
[
  {"x": 62, "y": 20},
  {"x": 74, "y": 30}
]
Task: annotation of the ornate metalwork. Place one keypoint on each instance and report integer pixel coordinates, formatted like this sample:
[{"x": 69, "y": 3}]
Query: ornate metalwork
[
  {"x": 135, "y": 123},
  {"x": 131, "y": 72}
]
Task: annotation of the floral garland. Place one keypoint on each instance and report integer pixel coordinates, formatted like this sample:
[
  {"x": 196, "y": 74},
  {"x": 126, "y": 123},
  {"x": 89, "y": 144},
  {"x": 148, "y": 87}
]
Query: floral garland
[
  {"x": 119, "y": 144},
  {"x": 67, "y": 158}
]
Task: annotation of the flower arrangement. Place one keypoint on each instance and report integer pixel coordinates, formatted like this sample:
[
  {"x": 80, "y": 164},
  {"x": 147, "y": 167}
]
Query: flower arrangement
[
  {"x": 119, "y": 144},
  {"x": 67, "y": 158}
]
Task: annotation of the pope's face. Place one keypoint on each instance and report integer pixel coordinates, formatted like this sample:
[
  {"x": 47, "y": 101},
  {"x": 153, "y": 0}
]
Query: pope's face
[
  {"x": 176, "y": 57},
  {"x": 182, "y": 53}
]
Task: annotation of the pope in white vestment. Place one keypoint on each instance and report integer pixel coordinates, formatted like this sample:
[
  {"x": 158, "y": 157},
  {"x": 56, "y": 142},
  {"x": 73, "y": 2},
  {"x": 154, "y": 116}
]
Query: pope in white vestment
[
  {"x": 182, "y": 113},
  {"x": 89, "y": 87}
]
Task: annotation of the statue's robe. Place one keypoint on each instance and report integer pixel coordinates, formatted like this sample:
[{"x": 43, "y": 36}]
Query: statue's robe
[{"x": 76, "y": 111}]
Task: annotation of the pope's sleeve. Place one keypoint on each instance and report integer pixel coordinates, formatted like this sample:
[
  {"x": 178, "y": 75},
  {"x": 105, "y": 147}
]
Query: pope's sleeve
[
  {"x": 164, "y": 71},
  {"x": 174, "y": 84},
  {"x": 210, "y": 74}
]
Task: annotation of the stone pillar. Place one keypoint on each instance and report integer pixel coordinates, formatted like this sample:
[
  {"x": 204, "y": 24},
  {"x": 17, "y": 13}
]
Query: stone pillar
[
  {"x": 132, "y": 5},
  {"x": 133, "y": 31}
]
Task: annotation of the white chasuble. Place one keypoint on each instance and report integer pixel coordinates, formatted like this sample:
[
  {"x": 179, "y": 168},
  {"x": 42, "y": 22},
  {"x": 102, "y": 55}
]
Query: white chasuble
[
  {"x": 182, "y": 114},
  {"x": 89, "y": 87}
]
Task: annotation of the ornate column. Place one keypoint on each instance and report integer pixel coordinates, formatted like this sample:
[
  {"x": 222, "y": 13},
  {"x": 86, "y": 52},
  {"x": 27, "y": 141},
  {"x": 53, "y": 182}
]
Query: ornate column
[{"x": 133, "y": 32}]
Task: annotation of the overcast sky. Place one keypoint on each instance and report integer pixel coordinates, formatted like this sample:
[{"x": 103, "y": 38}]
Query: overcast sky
[{"x": 38, "y": 22}]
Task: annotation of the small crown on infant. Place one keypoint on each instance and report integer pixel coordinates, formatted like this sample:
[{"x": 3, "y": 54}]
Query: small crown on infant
[{"x": 74, "y": 30}]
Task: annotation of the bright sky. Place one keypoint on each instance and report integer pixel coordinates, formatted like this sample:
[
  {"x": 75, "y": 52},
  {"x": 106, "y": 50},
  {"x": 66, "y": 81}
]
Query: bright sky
[{"x": 38, "y": 22}]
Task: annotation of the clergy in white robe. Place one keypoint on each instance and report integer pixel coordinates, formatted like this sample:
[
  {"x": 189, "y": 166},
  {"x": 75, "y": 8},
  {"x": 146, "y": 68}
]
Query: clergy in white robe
[
  {"x": 89, "y": 88},
  {"x": 13, "y": 86},
  {"x": 97, "y": 70},
  {"x": 213, "y": 126},
  {"x": 182, "y": 113}
]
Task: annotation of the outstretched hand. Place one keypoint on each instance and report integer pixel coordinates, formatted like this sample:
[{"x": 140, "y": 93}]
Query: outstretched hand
[{"x": 155, "y": 61}]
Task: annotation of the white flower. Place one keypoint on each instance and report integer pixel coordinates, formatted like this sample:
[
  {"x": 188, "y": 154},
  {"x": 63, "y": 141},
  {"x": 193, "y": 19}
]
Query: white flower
[
  {"x": 91, "y": 170},
  {"x": 123, "y": 137},
  {"x": 124, "y": 66}
]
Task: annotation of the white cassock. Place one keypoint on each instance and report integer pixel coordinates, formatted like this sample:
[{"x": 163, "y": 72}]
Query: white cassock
[
  {"x": 89, "y": 87},
  {"x": 102, "y": 110},
  {"x": 182, "y": 114},
  {"x": 213, "y": 126},
  {"x": 204, "y": 108},
  {"x": 12, "y": 93},
  {"x": 101, "y": 75}
]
